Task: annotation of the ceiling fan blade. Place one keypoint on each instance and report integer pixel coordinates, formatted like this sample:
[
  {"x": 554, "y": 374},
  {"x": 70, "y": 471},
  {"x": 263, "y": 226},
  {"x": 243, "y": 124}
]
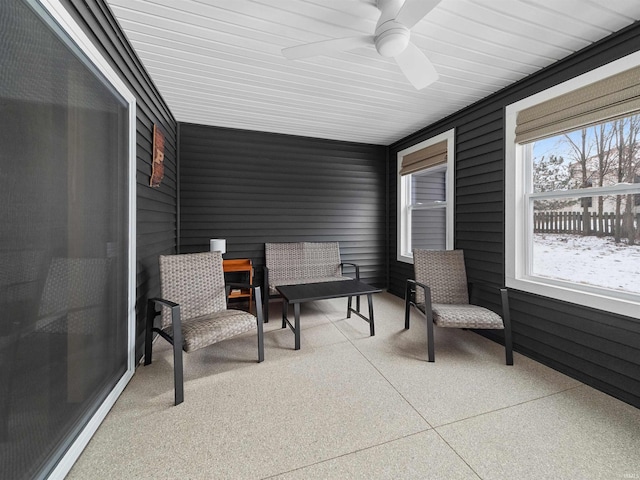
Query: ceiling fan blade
[
  {"x": 416, "y": 67},
  {"x": 327, "y": 47},
  {"x": 415, "y": 10}
]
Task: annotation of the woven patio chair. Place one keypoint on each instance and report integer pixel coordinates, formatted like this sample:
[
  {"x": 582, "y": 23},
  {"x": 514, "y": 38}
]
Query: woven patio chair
[
  {"x": 440, "y": 292},
  {"x": 194, "y": 309}
]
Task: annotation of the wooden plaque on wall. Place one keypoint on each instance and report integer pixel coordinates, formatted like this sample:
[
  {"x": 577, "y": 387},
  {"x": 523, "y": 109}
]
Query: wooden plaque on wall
[{"x": 157, "y": 168}]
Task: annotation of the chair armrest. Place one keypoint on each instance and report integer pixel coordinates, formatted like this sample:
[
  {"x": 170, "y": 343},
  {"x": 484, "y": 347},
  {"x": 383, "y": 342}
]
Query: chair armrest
[
  {"x": 242, "y": 285},
  {"x": 425, "y": 288},
  {"x": 166, "y": 303},
  {"x": 256, "y": 291},
  {"x": 504, "y": 296},
  {"x": 230, "y": 285},
  {"x": 342, "y": 264},
  {"x": 176, "y": 323},
  {"x": 474, "y": 286}
]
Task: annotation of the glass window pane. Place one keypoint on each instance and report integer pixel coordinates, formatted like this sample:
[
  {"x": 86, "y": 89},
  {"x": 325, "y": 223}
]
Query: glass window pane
[
  {"x": 63, "y": 242},
  {"x": 428, "y": 229},
  {"x": 591, "y": 241},
  {"x": 595, "y": 156},
  {"x": 428, "y": 186}
]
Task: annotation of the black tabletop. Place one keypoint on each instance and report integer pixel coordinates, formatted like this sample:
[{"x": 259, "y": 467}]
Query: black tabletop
[{"x": 320, "y": 291}]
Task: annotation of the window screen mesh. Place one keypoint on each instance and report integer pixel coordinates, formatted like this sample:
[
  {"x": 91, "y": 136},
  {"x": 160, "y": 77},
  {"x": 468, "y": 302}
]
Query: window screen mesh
[{"x": 63, "y": 242}]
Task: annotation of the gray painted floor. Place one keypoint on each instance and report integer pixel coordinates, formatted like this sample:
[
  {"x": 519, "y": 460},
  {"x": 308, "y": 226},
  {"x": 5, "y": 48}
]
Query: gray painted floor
[{"x": 350, "y": 406}]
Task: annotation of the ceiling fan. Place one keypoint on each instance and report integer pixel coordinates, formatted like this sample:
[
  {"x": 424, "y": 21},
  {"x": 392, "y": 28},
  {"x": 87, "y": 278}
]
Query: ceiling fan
[{"x": 391, "y": 39}]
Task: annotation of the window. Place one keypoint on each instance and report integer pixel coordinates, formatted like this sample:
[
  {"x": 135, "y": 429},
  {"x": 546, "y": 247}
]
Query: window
[
  {"x": 572, "y": 220},
  {"x": 425, "y": 196}
]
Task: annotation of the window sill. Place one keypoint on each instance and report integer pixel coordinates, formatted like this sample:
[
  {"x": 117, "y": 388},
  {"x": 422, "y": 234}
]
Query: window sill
[
  {"x": 599, "y": 299},
  {"x": 405, "y": 259}
]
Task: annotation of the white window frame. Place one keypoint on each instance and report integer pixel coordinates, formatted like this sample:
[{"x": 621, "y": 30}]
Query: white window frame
[
  {"x": 57, "y": 11},
  {"x": 403, "y": 250},
  {"x": 518, "y": 197}
]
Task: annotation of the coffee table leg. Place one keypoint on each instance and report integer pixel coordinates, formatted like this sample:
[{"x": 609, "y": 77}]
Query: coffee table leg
[
  {"x": 372, "y": 329},
  {"x": 296, "y": 311},
  {"x": 349, "y": 307},
  {"x": 285, "y": 309}
]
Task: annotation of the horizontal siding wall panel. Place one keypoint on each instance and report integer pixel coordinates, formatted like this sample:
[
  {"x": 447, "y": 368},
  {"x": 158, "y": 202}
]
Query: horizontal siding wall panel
[
  {"x": 596, "y": 347},
  {"x": 471, "y": 177},
  {"x": 613, "y": 366},
  {"x": 251, "y": 188},
  {"x": 156, "y": 207},
  {"x": 483, "y": 130}
]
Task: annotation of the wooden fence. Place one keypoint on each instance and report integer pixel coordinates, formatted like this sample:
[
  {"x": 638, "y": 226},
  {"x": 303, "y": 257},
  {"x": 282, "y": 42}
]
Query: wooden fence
[{"x": 572, "y": 222}]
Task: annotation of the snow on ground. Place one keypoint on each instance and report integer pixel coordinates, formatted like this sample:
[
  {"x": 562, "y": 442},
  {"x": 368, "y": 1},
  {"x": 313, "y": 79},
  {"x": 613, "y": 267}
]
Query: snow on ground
[{"x": 590, "y": 260}]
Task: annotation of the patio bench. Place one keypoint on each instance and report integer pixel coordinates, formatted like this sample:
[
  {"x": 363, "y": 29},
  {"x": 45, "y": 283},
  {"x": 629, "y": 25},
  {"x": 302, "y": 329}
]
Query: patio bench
[{"x": 298, "y": 263}]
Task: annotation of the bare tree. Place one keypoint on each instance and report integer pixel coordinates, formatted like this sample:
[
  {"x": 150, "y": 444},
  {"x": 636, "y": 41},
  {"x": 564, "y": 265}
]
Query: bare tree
[
  {"x": 630, "y": 171},
  {"x": 621, "y": 145},
  {"x": 627, "y": 132},
  {"x": 603, "y": 135},
  {"x": 580, "y": 153}
]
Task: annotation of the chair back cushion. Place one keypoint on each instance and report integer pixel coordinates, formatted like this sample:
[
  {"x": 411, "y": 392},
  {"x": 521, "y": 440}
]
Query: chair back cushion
[
  {"x": 322, "y": 259},
  {"x": 443, "y": 272},
  {"x": 301, "y": 260},
  {"x": 75, "y": 292},
  {"x": 195, "y": 281},
  {"x": 284, "y": 260}
]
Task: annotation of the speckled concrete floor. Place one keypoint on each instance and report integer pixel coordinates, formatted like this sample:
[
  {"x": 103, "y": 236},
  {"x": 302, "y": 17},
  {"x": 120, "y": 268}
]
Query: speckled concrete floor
[{"x": 350, "y": 406}]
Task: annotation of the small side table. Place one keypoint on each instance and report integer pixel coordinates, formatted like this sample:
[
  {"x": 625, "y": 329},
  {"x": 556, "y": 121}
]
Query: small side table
[{"x": 240, "y": 265}]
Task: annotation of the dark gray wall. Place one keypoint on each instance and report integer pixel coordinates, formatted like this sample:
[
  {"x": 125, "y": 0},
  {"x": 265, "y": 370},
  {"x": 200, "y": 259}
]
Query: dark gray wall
[
  {"x": 253, "y": 187},
  {"x": 595, "y": 347},
  {"x": 156, "y": 207}
]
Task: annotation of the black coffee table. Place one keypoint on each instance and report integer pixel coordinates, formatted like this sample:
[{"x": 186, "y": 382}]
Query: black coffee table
[{"x": 297, "y": 294}]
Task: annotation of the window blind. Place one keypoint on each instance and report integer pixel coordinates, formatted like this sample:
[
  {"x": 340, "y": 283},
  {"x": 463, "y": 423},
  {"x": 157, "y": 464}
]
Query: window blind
[
  {"x": 430, "y": 156},
  {"x": 609, "y": 98}
]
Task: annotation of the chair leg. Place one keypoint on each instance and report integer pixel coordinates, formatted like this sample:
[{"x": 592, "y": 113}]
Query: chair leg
[
  {"x": 430, "y": 342},
  {"x": 265, "y": 303},
  {"x": 260, "y": 321},
  {"x": 508, "y": 345},
  {"x": 260, "y": 341},
  {"x": 178, "y": 379},
  {"x": 506, "y": 319},
  {"x": 407, "y": 306},
  {"x": 148, "y": 336},
  {"x": 407, "y": 314}
]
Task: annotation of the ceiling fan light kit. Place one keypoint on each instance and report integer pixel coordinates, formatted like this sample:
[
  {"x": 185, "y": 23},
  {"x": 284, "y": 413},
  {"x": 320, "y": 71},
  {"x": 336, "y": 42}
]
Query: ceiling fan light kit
[{"x": 391, "y": 39}]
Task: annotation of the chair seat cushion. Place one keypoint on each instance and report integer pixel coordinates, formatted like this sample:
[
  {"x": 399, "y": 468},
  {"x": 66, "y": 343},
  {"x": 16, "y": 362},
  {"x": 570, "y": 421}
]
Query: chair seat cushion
[
  {"x": 464, "y": 316},
  {"x": 202, "y": 331},
  {"x": 300, "y": 281}
]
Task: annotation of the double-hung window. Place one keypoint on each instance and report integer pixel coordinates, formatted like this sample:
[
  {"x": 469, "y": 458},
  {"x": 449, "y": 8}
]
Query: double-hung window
[
  {"x": 425, "y": 196},
  {"x": 572, "y": 190}
]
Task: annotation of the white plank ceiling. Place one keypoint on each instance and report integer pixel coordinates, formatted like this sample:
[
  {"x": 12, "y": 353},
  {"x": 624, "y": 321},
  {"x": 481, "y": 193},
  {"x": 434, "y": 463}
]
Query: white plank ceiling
[{"x": 219, "y": 62}]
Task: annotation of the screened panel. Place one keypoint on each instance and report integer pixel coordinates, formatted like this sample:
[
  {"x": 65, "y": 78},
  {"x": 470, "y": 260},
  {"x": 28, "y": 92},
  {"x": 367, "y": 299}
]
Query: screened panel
[
  {"x": 63, "y": 242},
  {"x": 594, "y": 243},
  {"x": 428, "y": 229},
  {"x": 428, "y": 187}
]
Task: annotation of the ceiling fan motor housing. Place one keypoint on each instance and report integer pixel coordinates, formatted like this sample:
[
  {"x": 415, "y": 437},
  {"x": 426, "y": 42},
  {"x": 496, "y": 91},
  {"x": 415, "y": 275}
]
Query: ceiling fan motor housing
[{"x": 391, "y": 38}]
